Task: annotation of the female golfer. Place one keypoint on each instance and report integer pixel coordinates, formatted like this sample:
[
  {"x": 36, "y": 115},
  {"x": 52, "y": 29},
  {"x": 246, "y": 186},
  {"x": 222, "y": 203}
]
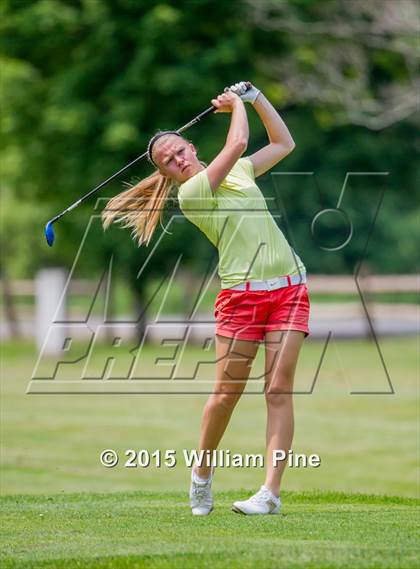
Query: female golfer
[{"x": 263, "y": 296}]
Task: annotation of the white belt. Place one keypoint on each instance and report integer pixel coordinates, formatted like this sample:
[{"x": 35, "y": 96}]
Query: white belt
[{"x": 271, "y": 284}]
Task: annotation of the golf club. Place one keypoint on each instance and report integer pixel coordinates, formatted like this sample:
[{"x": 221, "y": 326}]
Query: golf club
[{"x": 49, "y": 230}]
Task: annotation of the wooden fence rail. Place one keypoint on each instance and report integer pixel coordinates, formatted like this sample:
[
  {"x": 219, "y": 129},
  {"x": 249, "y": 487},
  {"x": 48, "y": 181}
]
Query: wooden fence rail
[{"x": 323, "y": 284}]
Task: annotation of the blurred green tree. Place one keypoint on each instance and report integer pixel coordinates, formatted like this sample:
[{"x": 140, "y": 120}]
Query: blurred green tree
[{"x": 85, "y": 83}]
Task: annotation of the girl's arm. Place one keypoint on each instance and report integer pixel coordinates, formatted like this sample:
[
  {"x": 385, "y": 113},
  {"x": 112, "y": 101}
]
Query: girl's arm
[
  {"x": 281, "y": 141},
  {"x": 236, "y": 141}
]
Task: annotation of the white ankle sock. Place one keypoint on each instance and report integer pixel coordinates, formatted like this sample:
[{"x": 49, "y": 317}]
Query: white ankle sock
[
  {"x": 272, "y": 493},
  {"x": 198, "y": 479}
]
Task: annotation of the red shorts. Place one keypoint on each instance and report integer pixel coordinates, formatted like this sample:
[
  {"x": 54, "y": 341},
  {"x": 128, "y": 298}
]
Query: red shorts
[{"x": 248, "y": 315}]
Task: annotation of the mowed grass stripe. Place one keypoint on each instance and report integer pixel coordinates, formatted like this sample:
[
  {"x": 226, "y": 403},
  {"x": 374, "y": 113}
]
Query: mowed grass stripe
[{"x": 152, "y": 529}]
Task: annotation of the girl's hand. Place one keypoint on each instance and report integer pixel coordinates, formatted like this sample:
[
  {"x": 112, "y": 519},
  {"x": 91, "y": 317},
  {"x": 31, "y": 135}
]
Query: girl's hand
[
  {"x": 246, "y": 91},
  {"x": 225, "y": 102}
]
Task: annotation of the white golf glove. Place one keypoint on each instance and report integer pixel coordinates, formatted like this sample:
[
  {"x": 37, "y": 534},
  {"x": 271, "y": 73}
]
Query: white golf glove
[{"x": 240, "y": 89}]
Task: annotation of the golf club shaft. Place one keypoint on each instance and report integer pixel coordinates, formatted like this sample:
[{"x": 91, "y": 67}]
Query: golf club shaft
[
  {"x": 49, "y": 231},
  {"x": 108, "y": 180}
]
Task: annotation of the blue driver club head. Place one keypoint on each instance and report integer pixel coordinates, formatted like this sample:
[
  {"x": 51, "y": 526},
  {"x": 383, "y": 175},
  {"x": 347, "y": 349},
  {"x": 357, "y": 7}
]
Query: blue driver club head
[{"x": 49, "y": 233}]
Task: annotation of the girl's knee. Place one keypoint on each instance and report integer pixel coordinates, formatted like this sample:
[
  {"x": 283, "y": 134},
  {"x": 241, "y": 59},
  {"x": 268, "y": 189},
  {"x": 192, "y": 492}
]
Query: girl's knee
[
  {"x": 276, "y": 398},
  {"x": 225, "y": 399}
]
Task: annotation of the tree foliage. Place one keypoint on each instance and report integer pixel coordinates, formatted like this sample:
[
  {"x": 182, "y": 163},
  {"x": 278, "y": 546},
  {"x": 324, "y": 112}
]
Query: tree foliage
[{"x": 85, "y": 83}]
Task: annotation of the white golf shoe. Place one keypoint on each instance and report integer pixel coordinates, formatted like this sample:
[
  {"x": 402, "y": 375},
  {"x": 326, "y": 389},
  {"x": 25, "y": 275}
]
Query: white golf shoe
[
  {"x": 263, "y": 502},
  {"x": 201, "y": 499}
]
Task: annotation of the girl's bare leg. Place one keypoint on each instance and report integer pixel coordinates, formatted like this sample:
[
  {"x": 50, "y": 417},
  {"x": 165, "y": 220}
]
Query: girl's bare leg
[
  {"x": 234, "y": 361},
  {"x": 281, "y": 356}
]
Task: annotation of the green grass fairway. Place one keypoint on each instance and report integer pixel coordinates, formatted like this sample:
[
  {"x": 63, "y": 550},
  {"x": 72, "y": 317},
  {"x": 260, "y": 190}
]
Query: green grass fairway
[
  {"x": 156, "y": 530},
  {"x": 367, "y": 443},
  {"x": 62, "y": 509}
]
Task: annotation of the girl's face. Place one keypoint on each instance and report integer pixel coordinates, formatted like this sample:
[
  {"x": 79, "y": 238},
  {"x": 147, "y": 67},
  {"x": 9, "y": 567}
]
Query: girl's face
[{"x": 176, "y": 158}]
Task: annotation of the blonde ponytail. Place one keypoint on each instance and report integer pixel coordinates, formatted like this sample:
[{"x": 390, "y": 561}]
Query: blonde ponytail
[{"x": 140, "y": 207}]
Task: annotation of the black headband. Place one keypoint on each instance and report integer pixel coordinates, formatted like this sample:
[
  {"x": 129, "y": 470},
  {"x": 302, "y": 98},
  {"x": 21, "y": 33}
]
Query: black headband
[{"x": 153, "y": 141}]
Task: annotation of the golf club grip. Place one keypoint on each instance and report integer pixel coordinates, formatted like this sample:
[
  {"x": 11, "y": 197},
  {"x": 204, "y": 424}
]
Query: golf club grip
[
  {"x": 206, "y": 112},
  {"x": 212, "y": 108}
]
